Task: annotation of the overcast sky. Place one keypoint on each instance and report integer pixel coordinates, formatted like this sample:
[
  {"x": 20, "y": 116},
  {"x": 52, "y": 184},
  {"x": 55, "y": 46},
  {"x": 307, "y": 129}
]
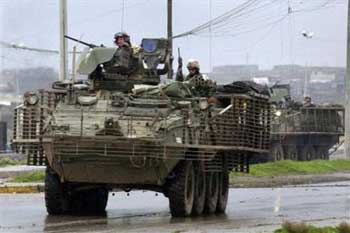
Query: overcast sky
[{"x": 34, "y": 23}]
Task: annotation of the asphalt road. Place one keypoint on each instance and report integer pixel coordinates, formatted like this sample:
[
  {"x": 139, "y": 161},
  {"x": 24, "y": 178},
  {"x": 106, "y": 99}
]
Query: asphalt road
[{"x": 249, "y": 210}]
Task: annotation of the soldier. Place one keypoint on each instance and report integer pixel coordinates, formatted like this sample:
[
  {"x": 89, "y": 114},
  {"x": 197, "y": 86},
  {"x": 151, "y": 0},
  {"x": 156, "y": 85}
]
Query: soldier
[
  {"x": 199, "y": 83},
  {"x": 122, "y": 61},
  {"x": 193, "y": 70},
  {"x": 308, "y": 102}
]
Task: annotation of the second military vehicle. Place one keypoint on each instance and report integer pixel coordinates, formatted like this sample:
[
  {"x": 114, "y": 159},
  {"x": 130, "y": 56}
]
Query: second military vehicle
[
  {"x": 125, "y": 132},
  {"x": 303, "y": 132}
]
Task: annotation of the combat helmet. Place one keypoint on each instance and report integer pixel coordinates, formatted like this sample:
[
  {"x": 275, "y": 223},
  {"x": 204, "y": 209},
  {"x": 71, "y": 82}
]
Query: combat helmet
[
  {"x": 192, "y": 63},
  {"x": 124, "y": 35}
]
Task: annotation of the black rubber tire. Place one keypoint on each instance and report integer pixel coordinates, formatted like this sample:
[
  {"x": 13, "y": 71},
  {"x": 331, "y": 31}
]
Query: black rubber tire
[
  {"x": 307, "y": 153},
  {"x": 181, "y": 190},
  {"x": 223, "y": 192},
  {"x": 322, "y": 152},
  {"x": 277, "y": 152},
  {"x": 200, "y": 189},
  {"x": 212, "y": 193},
  {"x": 291, "y": 152},
  {"x": 56, "y": 200},
  {"x": 91, "y": 201}
]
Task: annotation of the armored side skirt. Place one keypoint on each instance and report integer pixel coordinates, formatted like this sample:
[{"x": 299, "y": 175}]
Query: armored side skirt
[{"x": 120, "y": 161}]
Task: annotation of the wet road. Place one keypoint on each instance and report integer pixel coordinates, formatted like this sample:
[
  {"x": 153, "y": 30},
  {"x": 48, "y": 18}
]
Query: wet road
[{"x": 249, "y": 210}]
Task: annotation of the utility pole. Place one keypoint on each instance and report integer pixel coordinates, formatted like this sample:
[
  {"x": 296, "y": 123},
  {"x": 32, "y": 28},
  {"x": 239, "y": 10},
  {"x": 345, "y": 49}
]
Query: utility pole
[
  {"x": 63, "y": 41},
  {"x": 347, "y": 91},
  {"x": 170, "y": 37},
  {"x": 308, "y": 36}
]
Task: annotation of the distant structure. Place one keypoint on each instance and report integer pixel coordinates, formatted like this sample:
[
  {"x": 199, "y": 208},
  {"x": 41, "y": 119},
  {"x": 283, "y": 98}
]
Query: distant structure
[{"x": 223, "y": 74}]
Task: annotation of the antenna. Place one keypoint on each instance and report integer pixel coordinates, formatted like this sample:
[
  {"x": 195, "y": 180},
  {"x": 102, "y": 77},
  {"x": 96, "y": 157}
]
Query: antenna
[
  {"x": 122, "y": 17},
  {"x": 63, "y": 41},
  {"x": 170, "y": 37}
]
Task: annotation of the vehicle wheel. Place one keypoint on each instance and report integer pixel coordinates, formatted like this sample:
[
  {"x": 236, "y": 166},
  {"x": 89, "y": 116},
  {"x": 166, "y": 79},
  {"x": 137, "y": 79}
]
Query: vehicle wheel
[
  {"x": 92, "y": 201},
  {"x": 200, "y": 189},
  {"x": 277, "y": 152},
  {"x": 292, "y": 153},
  {"x": 56, "y": 200},
  {"x": 308, "y": 153},
  {"x": 223, "y": 192},
  {"x": 181, "y": 190},
  {"x": 322, "y": 152},
  {"x": 212, "y": 193}
]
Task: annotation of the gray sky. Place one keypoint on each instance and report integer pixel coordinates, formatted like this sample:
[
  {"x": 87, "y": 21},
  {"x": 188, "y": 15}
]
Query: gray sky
[{"x": 35, "y": 24}]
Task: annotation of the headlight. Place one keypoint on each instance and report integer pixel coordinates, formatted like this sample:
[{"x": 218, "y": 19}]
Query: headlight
[
  {"x": 278, "y": 113},
  {"x": 31, "y": 98}
]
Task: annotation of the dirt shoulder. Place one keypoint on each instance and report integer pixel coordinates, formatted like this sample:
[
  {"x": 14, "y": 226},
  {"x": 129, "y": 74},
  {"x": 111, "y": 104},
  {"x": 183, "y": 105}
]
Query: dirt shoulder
[{"x": 283, "y": 180}]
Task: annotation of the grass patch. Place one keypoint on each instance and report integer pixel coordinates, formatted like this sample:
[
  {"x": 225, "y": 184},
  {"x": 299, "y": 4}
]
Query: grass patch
[
  {"x": 36, "y": 176},
  {"x": 288, "y": 167},
  {"x": 10, "y": 162},
  {"x": 289, "y": 227}
]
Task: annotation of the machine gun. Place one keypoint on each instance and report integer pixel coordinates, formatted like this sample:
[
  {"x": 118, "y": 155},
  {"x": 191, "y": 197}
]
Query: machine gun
[
  {"x": 179, "y": 74},
  {"x": 82, "y": 42}
]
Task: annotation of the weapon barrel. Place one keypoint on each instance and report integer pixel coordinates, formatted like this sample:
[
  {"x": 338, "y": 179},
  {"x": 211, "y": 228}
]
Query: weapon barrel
[{"x": 80, "y": 41}]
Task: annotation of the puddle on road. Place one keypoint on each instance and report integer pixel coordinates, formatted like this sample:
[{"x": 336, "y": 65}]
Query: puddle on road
[{"x": 277, "y": 204}]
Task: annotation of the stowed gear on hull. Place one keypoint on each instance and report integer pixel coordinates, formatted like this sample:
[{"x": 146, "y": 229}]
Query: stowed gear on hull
[{"x": 158, "y": 138}]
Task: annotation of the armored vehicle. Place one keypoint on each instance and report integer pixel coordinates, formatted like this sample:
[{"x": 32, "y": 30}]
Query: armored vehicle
[
  {"x": 126, "y": 132},
  {"x": 303, "y": 132}
]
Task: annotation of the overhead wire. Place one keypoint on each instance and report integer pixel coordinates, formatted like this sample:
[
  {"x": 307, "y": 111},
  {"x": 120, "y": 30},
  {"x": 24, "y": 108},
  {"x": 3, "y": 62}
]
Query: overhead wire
[
  {"x": 246, "y": 15},
  {"x": 222, "y": 18},
  {"x": 233, "y": 20},
  {"x": 20, "y": 47}
]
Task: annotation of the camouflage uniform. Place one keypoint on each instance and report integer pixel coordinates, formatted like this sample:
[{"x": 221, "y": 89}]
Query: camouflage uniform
[
  {"x": 125, "y": 59},
  {"x": 121, "y": 63}
]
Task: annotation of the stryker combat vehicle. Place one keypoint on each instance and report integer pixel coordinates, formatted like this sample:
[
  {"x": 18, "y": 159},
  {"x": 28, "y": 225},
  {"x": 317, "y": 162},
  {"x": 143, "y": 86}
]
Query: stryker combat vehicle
[
  {"x": 302, "y": 132},
  {"x": 127, "y": 132}
]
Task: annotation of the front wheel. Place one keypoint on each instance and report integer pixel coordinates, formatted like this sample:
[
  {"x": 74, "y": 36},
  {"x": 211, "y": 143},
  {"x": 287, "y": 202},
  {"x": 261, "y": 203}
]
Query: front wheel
[
  {"x": 56, "y": 199},
  {"x": 181, "y": 190},
  {"x": 277, "y": 152},
  {"x": 322, "y": 152}
]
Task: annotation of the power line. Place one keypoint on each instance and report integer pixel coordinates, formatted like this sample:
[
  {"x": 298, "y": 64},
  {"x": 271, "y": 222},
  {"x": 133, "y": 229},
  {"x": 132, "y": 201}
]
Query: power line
[
  {"x": 212, "y": 23},
  {"x": 39, "y": 50},
  {"x": 237, "y": 18},
  {"x": 22, "y": 47}
]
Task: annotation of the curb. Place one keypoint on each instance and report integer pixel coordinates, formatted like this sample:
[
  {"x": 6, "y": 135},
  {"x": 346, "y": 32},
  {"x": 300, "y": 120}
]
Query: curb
[
  {"x": 10, "y": 189},
  {"x": 290, "y": 180}
]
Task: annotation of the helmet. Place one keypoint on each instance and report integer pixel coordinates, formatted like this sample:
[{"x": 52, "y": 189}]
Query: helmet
[
  {"x": 122, "y": 34},
  {"x": 192, "y": 63}
]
